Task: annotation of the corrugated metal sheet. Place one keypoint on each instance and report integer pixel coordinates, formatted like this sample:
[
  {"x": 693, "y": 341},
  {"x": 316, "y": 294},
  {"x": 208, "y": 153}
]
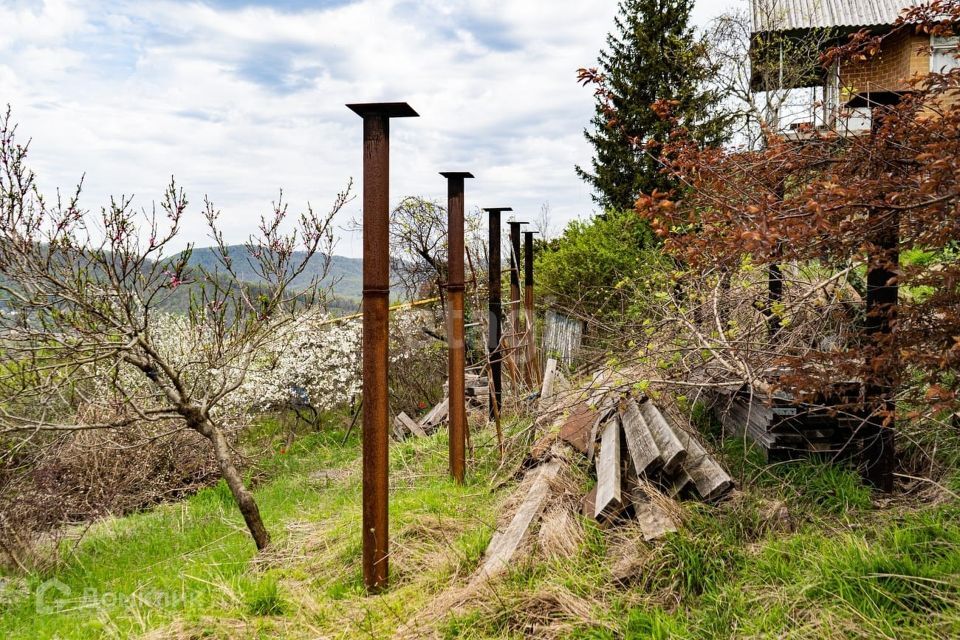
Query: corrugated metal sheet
[
  {"x": 561, "y": 337},
  {"x": 789, "y": 15}
]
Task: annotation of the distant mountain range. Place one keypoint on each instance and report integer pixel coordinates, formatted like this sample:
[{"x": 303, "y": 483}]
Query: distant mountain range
[
  {"x": 345, "y": 275},
  {"x": 344, "y": 278}
]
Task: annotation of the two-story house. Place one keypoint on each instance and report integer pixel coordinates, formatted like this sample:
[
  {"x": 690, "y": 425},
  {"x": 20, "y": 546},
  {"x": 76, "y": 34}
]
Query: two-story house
[{"x": 840, "y": 98}]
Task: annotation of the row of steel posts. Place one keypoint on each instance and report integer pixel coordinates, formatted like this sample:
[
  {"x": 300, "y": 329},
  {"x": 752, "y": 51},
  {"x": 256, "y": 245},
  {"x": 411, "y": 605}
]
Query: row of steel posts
[{"x": 376, "y": 294}]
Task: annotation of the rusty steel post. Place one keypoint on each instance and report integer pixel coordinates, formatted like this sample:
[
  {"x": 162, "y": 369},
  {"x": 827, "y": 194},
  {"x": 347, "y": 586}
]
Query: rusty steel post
[
  {"x": 533, "y": 367},
  {"x": 376, "y": 301},
  {"x": 457, "y": 358},
  {"x": 882, "y": 357},
  {"x": 515, "y": 294},
  {"x": 495, "y": 312},
  {"x": 774, "y": 299}
]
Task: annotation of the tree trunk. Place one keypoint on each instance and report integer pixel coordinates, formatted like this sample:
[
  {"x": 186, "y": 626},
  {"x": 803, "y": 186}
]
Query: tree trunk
[{"x": 242, "y": 496}]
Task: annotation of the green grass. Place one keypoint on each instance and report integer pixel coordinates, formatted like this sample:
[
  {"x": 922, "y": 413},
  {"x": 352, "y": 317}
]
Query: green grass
[
  {"x": 801, "y": 551},
  {"x": 896, "y": 579},
  {"x": 834, "y": 567},
  {"x": 193, "y": 562}
]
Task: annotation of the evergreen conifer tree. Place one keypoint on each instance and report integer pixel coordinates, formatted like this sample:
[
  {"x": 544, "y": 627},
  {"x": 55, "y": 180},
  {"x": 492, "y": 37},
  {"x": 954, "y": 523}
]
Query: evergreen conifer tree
[{"x": 653, "y": 54}]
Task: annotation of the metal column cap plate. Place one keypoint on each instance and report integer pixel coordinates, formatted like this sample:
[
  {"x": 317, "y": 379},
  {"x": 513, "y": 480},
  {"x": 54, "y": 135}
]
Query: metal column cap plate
[{"x": 388, "y": 109}]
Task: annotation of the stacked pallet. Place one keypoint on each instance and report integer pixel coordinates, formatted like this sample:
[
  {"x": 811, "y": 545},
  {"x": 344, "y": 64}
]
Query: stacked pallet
[
  {"x": 476, "y": 389},
  {"x": 787, "y": 428}
]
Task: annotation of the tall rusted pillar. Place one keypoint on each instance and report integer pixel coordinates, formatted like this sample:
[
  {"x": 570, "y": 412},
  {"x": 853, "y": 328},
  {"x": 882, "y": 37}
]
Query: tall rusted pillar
[
  {"x": 515, "y": 352},
  {"x": 376, "y": 300},
  {"x": 533, "y": 366},
  {"x": 882, "y": 358},
  {"x": 457, "y": 358},
  {"x": 495, "y": 312}
]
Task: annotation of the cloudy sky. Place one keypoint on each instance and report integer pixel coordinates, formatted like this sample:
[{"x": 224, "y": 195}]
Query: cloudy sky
[{"x": 240, "y": 98}]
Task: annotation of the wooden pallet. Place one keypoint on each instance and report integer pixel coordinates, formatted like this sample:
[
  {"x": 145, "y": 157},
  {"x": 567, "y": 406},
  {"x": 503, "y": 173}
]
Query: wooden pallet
[{"x": 786, "y": 428}]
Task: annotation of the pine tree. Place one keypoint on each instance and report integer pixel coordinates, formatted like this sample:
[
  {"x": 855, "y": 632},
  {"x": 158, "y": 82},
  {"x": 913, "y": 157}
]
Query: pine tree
[{"x": 654, "y": 54}]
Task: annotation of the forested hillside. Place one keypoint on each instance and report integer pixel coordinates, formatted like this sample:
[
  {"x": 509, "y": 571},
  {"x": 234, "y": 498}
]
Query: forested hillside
[{"x": 345, "y": 275}]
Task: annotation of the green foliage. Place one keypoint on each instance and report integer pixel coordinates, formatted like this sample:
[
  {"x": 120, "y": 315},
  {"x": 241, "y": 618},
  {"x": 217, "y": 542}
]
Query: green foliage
[
  {"x": 692, "y": 564},
  {"x": 820, "y": 487},
  {"x": 654, "y": 54},
  {"x": 590, "y": 265},
  {"x": 831, "y": 487},
  {"x": 192, "y": 563}
]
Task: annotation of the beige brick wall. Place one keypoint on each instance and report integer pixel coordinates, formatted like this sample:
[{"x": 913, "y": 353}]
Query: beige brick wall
[{"x": 899, "y": 60}]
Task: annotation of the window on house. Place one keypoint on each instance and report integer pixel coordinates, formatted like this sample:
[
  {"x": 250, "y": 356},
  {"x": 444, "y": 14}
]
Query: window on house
[{"x": 944, "y": 55}]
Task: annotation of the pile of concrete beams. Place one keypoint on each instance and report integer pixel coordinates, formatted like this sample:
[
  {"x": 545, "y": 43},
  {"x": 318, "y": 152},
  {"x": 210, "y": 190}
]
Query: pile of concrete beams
[
  {"x": 643, "y": 465},
  {"x": 639, "y": 456}
]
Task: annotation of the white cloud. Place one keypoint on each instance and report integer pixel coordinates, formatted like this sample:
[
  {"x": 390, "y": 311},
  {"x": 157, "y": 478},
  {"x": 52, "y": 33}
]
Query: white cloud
[
  {"x": 240, "y": 102},
  {"x": 48, "y": 23}
]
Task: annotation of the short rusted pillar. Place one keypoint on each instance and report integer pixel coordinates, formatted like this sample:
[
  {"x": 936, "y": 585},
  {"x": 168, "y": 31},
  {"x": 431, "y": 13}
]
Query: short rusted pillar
[
  {"x": 457, "y": 359},
  {"x": 495, "y": 312},
  {"x": 376, "y": 300},
  {"x": 533, "y": 366},
  {"x": 774, "y": 301},
  {"x": 882, "y": 357},
  {"x": 516, "y": 354}
]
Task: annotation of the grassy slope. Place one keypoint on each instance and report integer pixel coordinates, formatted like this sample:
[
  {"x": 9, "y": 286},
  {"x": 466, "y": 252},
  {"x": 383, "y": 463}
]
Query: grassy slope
[
  {"x": 802, "y": 552},
  {"x": 192, "y": 563}
]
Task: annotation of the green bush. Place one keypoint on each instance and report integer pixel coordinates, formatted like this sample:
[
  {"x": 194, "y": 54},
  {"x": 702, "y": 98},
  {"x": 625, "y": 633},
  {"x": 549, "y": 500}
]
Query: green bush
[{"x": 589, "y": 265}]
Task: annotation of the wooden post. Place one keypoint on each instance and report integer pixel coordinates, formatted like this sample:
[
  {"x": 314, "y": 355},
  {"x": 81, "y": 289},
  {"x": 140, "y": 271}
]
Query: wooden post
[
  {"x": 455, "y": 332},
  {"x": 376, "y": 300}
]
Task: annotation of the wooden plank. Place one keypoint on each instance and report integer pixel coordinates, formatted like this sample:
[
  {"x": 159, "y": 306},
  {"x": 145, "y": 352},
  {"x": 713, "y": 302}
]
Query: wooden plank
[
  {"x": 546, "y": 390},
  {"x": 576, "y": 430},
  {"x": 654, "y": 521},
  {"x": 640, "y": 443},
  {"x": 609, "y": 497},
  {"x": 411, "y": 425},
  {"x": 678, "y": 483},
  {"x": 711, "y": 481},
  {"x": 436, "y": 415},
  {"x": 602, "y": 417},
  {"x": 503, "y": 545},
  {"x": 672, "y": 451}
]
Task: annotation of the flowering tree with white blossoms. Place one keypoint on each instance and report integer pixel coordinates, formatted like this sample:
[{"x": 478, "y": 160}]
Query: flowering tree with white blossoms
[
  {"x": 315, "y": 360},
  {"x": 81, "y": 326}
]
